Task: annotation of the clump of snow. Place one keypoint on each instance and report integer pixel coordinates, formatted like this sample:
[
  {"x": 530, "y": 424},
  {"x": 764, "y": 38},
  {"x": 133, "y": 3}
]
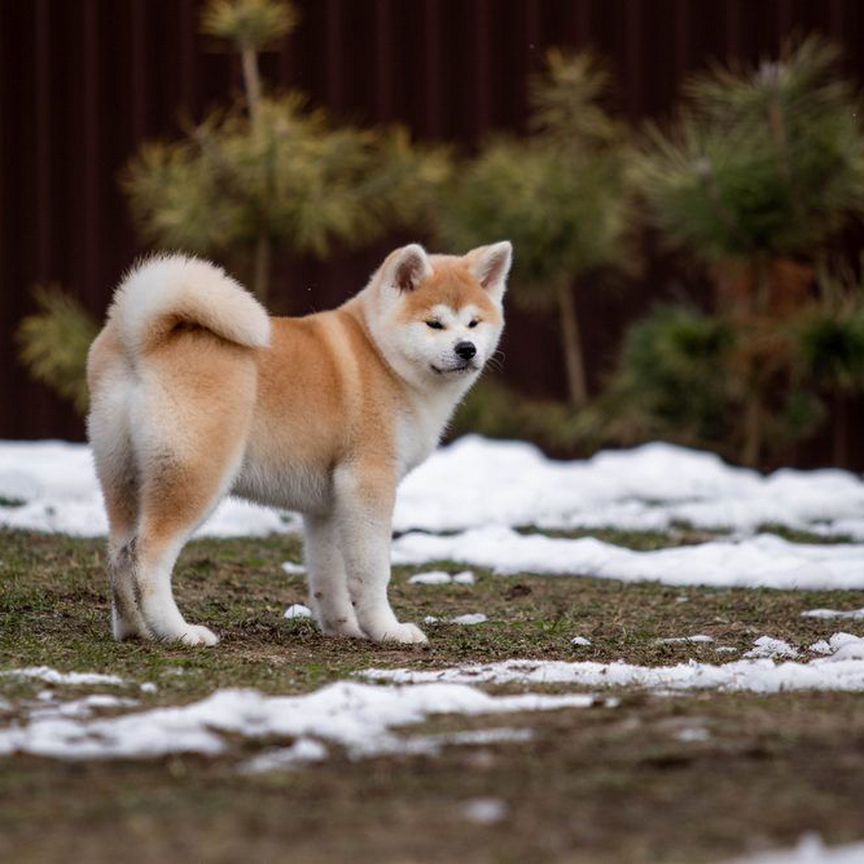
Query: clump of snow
[
  {"x": 302, "y": 751},
  {"x": 841, "y": 670},
  {"x": 52, "y": 676},
  {"x": 85, "y": 707},
  {"x": 359, "y": 717},
  {"x": 293, "y": 569},
  {"x": 470, "y": 619},
  {"x": 693, "y": 734},
  {"x": 580, "y": 640},
  {"x": 764, "y": 561},
  {"x": 475, "y": 482},
  {"x": 810, "y": 850},
  {"x": 440, "y": 577},
  {"x": 852, "y": 614},
  {"x": 433, "y": 577},
  {"x": 298, "y": 610},
  {"x": 765, "y": 646},
  {"x": 699, "y": 638},
  {"x": 485, "y": 811}
]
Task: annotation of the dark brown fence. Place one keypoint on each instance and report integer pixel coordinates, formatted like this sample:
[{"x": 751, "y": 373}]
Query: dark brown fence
[{"x": 83, "y": 82}]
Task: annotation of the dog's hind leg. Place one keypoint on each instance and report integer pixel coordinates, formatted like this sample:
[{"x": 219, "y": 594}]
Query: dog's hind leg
[
  {"x": 190, "y": 420},
  {"x": 172, "y": 508},
  {"x": 328, "y": 581},
  {"x": 114, "y": 458}
]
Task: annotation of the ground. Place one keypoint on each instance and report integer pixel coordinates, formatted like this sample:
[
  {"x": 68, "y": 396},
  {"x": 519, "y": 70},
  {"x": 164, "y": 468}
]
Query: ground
[{"x": 605, "y": 784}]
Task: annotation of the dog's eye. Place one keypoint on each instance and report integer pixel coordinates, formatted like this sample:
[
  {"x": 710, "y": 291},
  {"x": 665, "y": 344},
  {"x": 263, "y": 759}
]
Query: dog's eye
[
  {"x": 435, "y": 325},
  {"x": 474, "y": 323}
]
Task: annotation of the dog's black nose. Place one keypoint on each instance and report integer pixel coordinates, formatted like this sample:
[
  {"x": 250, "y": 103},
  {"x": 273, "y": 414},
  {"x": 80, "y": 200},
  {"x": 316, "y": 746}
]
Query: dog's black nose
[{"x": 466, "y": 350}]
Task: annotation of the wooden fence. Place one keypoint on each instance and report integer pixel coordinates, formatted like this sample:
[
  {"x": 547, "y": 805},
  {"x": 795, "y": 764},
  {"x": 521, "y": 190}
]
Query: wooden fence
[{"x": 84, "y": 82}]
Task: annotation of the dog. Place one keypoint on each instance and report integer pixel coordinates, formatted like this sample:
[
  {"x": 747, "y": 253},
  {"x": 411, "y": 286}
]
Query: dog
[{"x": 196, "y": 393}]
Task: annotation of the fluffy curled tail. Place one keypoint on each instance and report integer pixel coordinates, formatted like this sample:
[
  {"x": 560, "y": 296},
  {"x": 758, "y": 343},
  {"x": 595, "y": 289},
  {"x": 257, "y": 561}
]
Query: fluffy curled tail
[{"x": 165, "y": 291}]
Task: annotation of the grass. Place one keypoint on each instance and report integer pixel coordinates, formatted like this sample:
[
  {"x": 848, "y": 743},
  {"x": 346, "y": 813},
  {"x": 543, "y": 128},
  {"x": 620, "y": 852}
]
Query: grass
[{"x": 595, "y": 785}]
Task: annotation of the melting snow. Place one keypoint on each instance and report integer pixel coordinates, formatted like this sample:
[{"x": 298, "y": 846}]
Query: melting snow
[
  {"x": 433, "y": 577},
  {"x": 765, "y": 646},
  {"x": 764, "y": 561},
  {"x": 475, "y": 482},
  {"x": 470, "y": 619},
  {"x": 842, "y": 669},
  {"x": 439, "y": 577},
  {"x": 810, "y": 850},
  {"x": 484, "y": 811},
  {"x": 298, "y": 610},
  {"x": 52, "y": 676},
  {"x": 358, "y": 717},
  {"x": 853, "y": 614}
]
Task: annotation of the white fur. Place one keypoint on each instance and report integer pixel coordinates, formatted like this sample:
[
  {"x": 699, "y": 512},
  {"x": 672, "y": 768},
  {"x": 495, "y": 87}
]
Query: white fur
[{"x": 181, "y": 288}]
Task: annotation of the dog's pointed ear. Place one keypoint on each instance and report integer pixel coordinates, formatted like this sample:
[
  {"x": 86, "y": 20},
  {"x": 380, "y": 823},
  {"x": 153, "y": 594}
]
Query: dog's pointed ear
[
  {"x": 406, "y": 268},
  {"x": 491, "y": 266}
]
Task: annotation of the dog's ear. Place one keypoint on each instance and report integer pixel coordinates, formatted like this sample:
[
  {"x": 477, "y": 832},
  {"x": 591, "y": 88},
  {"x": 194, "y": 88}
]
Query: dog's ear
[
  {"x": 406, "y": 268},
  {"x": 491, "y": 265}
]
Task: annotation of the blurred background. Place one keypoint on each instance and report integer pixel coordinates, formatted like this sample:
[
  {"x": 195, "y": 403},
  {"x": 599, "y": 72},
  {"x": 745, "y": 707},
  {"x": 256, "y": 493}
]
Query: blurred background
[{"x": 683, "y": 181}]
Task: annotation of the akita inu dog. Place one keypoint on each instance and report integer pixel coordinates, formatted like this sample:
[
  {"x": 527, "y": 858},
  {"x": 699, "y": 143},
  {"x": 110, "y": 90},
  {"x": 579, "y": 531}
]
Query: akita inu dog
[{"x": 196, "y": 393}]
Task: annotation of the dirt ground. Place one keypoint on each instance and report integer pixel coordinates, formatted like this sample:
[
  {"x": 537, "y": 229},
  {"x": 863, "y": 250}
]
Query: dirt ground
[{"x": 602, "y": 784}]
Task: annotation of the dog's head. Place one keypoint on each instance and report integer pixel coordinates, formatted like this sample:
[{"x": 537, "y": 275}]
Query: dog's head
[{"x": 437, "y": 319}]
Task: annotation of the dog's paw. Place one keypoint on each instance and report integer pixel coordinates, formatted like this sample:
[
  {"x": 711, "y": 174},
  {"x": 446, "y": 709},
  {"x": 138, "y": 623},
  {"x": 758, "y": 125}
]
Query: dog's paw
[
  {"x": 343, "y": 629},
  {"x": 407, "y": 634},
  {"x": 198, "y": 634}
]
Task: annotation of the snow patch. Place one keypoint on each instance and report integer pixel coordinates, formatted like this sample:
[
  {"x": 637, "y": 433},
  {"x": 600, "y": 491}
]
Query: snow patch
[
  {"x": 358, "y": 717},
  {"x": 469, "y": 620},
  {"x": 52, "y": 676},
  {"x": 810, "y": 850},
  {"x": 433, "y": 577},
  {"x": 440, "y": 577},
  {"x": 764, "y": 561},
  {"x": 298, "y": 610},
  {"x": 474, "y": 482},
  {"x": 852, "y": 615},
  {"x": 841, "y": 670},
  {"x": 765, "y": 646},
  {"x": 485, "y": 811}
]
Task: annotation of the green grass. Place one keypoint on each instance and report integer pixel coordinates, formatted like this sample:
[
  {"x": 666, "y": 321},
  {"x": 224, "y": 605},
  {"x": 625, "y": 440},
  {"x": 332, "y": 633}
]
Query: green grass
[{"x": 595, "y": 785}]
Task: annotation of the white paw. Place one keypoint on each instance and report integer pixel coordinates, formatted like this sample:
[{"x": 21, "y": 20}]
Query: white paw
[
  {"x": 408, "y": 634},
  {"x": 347, "y": 629},
  {"x": 197, "y": 634},
  {"x": 123, "y": 629}
]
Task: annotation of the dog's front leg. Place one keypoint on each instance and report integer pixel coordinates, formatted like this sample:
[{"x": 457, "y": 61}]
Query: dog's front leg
[
  {"x": 364, "y": 513},
  {"x": 328, "y": 582}
]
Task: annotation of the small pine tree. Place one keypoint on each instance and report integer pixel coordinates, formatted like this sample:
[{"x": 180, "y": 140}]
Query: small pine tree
[
  {"x": 262, "y": 174},
  {"x": 268, "y": 173},
  {"x": 559, "y": 196},
  {"x": 762, "y": 165},
  {"x": 831, "y": 348},
  {"x": 53, "y": 344}
]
